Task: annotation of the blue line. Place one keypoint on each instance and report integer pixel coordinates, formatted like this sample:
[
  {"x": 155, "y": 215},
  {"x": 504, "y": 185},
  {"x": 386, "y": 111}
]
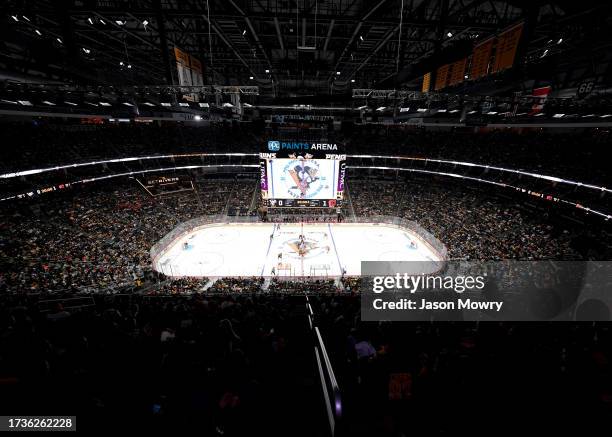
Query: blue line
[
  {"x": 335, "y": 249},
  {"x": 267, "y": 253}
]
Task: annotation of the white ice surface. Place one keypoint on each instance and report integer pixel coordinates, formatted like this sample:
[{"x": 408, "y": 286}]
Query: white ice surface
[{"x": 247, "y": 250}]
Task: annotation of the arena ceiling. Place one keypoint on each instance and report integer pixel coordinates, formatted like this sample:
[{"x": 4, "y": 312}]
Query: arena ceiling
[{"x": 285, "y": 47}]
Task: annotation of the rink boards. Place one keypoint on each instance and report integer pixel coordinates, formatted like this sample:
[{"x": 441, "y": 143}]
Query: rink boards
[{"x": 262, "y": 249}]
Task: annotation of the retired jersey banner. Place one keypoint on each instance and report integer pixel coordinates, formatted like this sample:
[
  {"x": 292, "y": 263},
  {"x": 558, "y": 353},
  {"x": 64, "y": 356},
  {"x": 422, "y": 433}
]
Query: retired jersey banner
[
  {"x": 426, "y": 83},
  {"x": 507, "y": 43},
  {"x": 457, "y": 72},
  {"x": 441, "y": 77},
  {"x": 481, "y": 58}
]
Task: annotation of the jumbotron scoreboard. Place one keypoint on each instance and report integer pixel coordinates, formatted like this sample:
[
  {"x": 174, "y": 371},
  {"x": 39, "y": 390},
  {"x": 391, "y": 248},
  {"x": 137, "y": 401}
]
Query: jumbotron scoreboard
[{"x": 302, "y": 174}]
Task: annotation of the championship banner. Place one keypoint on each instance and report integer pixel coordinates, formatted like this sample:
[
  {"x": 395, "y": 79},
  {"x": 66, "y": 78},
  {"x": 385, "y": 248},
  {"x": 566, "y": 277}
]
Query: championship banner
[
  {"x": 196, "y": 71},
  {"x": 458, "y": 72},
  {"x": 540, "y": 95},
  {"x": 181, "y": 56},
  {"x": 507, "y": 43},
  {"x": 481, "y": 58},
  {"x": 426, "y": 83},
  {"x": 441, "y": 77}
]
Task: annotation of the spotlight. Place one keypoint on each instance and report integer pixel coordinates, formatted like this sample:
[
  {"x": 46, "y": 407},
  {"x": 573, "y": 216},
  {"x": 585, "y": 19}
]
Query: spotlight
[
  {"x": 197, "y": 117},
  {"x": 251, "y": 77},
  {"x": 361, "y": 37},
  {"x": 90, "y": 20},
  {"x": 86, "y": 51},
  {"x": 560, "y": 41},
  {"x": 25, "y": 18},
  {"x": 352, "y": 80},
  {"x": 449, "y": 34},
  {"x": 59, "y": 40},
  {"x": 121, "y": 63},
  {"x": 145, "y": 23},
  {"x": 37, "y": 32},
  {"x": 14, "y": 17},
  {"x": 267, "y": 71},
  {"x": 129, "y": 66},
  {"x": 337, "y": 73}
]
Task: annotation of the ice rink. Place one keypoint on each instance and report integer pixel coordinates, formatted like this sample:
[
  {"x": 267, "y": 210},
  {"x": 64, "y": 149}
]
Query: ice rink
[{"x": 256, "y": 249}]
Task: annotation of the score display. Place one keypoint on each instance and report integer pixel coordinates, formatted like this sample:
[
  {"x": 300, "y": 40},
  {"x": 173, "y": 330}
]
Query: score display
[{"x": 302, "y": 174}]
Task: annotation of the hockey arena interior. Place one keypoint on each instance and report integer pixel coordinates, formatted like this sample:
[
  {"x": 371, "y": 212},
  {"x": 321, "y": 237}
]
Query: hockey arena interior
[{"x": 192, "y": 194}]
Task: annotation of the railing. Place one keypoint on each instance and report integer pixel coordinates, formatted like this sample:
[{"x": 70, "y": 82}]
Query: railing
[{"x": 327, "y": 377}]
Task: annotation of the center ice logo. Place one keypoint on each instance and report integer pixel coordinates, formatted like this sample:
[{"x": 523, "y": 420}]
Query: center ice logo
[
  {"x": 301, "y": 177},
  {"x": 274, "y": 146}
]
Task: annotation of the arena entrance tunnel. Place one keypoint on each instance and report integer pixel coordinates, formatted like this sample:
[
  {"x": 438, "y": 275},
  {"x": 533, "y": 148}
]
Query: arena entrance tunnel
[{"x": 220, "y": 246}]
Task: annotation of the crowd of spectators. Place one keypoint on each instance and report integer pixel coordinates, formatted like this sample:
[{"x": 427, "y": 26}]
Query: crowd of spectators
[
  {"x": 95, "y": 241},
  {"x": 447, "y": 378},
  {"x": 213, "y": 365},
  {"x": 100, "y": 239}
]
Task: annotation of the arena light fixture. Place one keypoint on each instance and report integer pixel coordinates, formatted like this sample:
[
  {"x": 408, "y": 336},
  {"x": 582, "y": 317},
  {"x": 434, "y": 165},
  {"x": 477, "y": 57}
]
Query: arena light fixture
[
  {"x": 539, "y": 114},
  {"x": 14, "y": 17},
  {"x": 247, "y": 105},
  {"x": 453, "y": 111},
  {"x": 90, "y": 20},
  {"x": 560, "y": 41},
  {"x": 267, "y": 71},
  {"x": 25, "y": 18},
  {"x": 184, "y": 105},
  {"x": 361, "y": 37},
  {"x": 337, "y": 73},
  {"x": 404, "y": 109},
  {"x": 472, "y": 112},
  {"x": 91, "y": 103},
  {"x": 442, "y": 110},
  {"x": 86, "y": 50},
  {"x": 24, "y": 102},
  {"x": 558, "y": 115},
  {"x": 46, "y": 102},
  {"x": 127, "y": 104},
  {"x": 37, "y": 32},
  {"x": 606, "y": 115},
  {"x": 104, "y": 104},
  {"x": 588, "y": 115},
  {"x": 197, "y": 118},
  {"x": 165, "y": 104},
  {"x": 120, "y": 23},
  {"x": 381, "y": 108},
  {"x": 228, "y": 105},
  {"x": 362, "y": 107},
  {"x": 251, "y": 77},
  {"x": 148, "y": 104},
  {"x": 59, "y": 40},
  {"x": 204, "y": 105},
  {"x": 68, "y": 102},
  {"x": 102, "y": 21},
  {"x": 421, "y": 109},
  {"x": 492, "y": 113},
  {"x": 352, "y": 80},
  {"x": 449, "y": 34},
  {"x": 129, "y": 65}
]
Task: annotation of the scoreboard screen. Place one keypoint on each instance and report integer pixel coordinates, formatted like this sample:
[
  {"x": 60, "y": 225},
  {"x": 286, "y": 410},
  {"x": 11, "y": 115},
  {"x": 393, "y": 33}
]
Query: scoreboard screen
[{"x": 302, "y": 174}]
